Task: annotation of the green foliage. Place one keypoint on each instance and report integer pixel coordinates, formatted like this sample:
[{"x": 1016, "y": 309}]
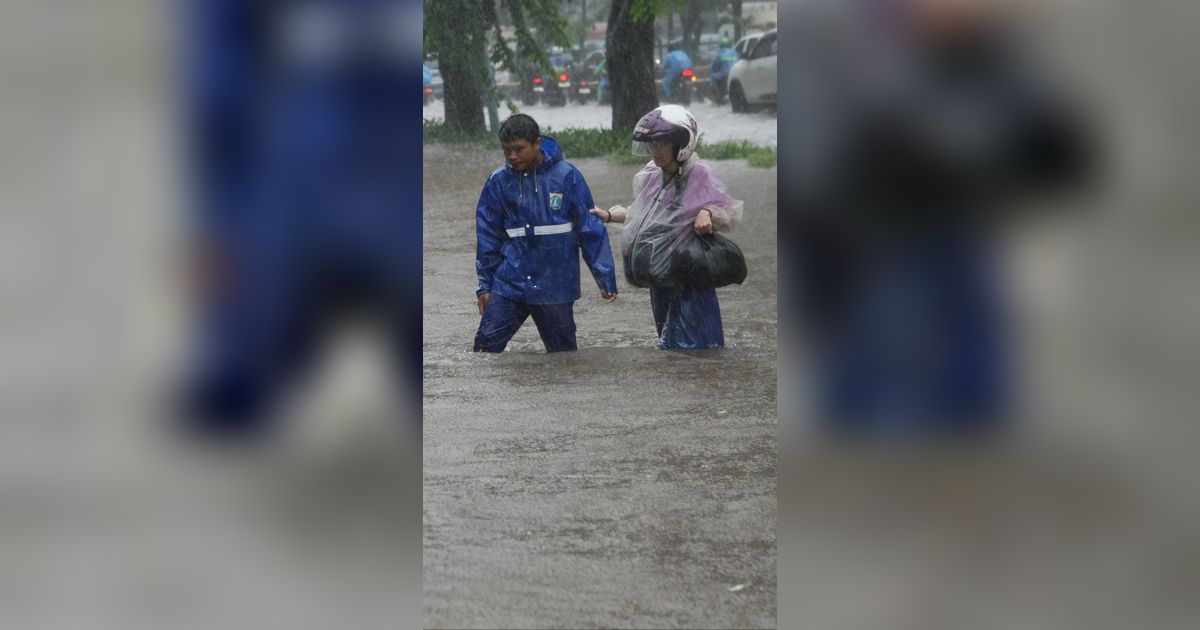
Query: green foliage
[
  {"x": 471, "y": 31},
  {"x": 763, "y": 157},
  {"x": 586, "y": 143},
  {"x": 529, "y": 16},
  {"x": 435, "y": 131},
  {"x": 642, "y": 10},
  {"x": 591, "y": 143}
]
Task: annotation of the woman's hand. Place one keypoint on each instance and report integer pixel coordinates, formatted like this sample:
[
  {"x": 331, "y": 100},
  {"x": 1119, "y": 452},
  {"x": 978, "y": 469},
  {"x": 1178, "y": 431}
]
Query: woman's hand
[
  {"x": 703, "y": 223},
  {"x": 615, "y": 214}
]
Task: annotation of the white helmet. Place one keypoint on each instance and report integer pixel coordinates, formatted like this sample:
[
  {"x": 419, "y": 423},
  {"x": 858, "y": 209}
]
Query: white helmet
[{"x": 669, "y": 123}]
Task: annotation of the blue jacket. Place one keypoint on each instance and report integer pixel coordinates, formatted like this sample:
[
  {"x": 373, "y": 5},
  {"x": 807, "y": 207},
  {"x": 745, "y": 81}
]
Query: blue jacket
[
  {"x": 674, "y": 63},
  {"x": 530, "y": 227},
  {"x": 723, "y": 63}
]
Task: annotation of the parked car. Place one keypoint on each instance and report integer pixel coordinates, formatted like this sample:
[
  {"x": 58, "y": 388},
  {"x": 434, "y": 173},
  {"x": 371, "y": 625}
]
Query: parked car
[{"x": 753, "y": 80}]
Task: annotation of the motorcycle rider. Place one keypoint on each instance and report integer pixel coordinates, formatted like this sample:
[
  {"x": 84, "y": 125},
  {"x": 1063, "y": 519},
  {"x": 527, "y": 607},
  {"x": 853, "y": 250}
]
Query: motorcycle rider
[
  {"x": 601, "y": 72},
  {"x": 675, "y": 62},
  {"x": 720, "y": 67},
  {"x": 426, "y": 82}
]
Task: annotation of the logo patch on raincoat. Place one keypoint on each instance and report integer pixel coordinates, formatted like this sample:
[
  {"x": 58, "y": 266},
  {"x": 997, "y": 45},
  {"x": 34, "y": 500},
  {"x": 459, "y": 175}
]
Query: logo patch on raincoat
[{"x": 556, "y": 201}]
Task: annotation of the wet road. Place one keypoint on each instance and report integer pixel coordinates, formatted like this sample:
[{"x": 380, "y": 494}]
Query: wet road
[{"x": 620, "y": 486}]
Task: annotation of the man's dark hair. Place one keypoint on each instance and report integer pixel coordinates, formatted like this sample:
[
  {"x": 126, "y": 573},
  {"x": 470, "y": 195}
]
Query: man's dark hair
[{"x": 519, "y": 127}]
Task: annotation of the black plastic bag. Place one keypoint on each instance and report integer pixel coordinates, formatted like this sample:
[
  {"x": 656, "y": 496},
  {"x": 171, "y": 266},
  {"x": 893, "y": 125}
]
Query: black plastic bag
[
  {"x": 639, "y": 275},
  {"x": 647, "y": 264},
  {"x": 708, "y": 262}
]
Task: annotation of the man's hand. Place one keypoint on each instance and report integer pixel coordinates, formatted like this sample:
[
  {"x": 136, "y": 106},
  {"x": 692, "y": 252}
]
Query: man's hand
[
  {"x": 483, "y": 300},
  {"x": 608, "y": 297},
  {"x": 703, "y": 223}
]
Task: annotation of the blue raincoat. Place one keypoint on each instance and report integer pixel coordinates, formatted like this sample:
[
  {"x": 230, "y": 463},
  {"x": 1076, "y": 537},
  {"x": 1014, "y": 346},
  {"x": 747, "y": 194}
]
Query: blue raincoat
[
  {"x": 675, "y": 62},
  {"x": 530, "y": 227},
  {"x": 722, "y": 64}
]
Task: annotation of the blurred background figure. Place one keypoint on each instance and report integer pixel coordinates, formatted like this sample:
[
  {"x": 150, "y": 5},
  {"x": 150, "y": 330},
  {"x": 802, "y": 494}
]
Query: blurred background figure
[
  {"x": 306, "y": 182},
  {"x": 426, "y": 84},
  {"x": 676, "y": 86},
  {"x": 719, "y": 69},
  {"x": 929, "y": 126}
]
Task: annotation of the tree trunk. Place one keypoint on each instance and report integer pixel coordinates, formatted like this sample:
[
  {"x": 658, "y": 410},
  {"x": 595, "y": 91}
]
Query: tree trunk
[
  {"x": 737, "y": 19},
  {"x": 630, "y": 47},
  {"x": 587, "y": 24},
  {"x": 692, "y": 23},
  {"x": 461, "y": 57}
]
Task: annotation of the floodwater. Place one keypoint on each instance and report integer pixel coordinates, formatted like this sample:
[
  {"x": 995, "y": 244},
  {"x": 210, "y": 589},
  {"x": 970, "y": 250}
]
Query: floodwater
[{"x": 618, "y": 486}]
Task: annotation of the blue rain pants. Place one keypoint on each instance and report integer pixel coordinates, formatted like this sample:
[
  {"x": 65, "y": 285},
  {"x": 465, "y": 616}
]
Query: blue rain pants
[
  {"x": 503, "y": 317},
  {"x": 687, "y": 319}
]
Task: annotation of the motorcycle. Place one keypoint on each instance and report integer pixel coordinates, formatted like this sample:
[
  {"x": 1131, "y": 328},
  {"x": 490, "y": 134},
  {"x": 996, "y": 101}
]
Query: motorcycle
[
  {"x": 584, "y": 84},
  {"x": 681, "y": 87},
  {"x": 533, "y": 86},
  {"x": 718, "y": 81},
  {"x": 720, "y": 89},
  {"x": 532, "y": 90},
  {"x": 556, "y": 91}
]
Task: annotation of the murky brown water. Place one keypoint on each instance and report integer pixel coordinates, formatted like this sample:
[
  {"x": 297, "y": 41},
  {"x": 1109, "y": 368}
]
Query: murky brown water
[{"x": 619, "y": 486}]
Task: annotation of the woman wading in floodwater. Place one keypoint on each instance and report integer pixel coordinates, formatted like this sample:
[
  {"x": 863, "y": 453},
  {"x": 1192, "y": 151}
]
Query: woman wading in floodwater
[{"x": 674, "y": 194}]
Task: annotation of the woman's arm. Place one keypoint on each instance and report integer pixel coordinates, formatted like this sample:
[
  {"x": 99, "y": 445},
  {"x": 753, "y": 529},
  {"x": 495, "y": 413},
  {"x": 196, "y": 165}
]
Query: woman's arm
[
  {"x": 723, "y": 218},
  {"x": 717, "y": 210},
  {"x": 615, "y": 214}
]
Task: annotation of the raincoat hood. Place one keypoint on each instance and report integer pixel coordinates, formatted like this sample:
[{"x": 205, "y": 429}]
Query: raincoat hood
[{"x": 551, "y": 155}]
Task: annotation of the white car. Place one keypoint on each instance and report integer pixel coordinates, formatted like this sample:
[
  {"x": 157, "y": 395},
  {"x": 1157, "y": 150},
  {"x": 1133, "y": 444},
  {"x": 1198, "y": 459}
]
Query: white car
[
  {"x": 753, "y": 79},
  {"x": 746, "y": 44}
]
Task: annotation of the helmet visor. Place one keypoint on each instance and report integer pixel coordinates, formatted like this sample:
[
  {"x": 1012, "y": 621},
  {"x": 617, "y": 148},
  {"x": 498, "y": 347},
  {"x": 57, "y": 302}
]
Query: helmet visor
[{"x": 643, "y": 147}]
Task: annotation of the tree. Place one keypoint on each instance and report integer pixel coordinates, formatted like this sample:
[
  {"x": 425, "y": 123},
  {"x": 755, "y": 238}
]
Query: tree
[
  {"x": 692, "y": 25},
  {"x": 586, "y": 10},
  {"x": 736, "y": 6},
  {"x": 630, "y": 60},
  {"x": 691, "y": 14},
  {"x": 460, "y": 51},
  {"x": 692, "y": 22},
  {"x": 457, "y": 33}
]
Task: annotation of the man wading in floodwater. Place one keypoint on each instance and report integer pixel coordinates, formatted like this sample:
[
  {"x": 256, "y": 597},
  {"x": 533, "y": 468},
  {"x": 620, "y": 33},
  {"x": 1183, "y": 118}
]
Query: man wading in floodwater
[{"x": 531, "y": 222}]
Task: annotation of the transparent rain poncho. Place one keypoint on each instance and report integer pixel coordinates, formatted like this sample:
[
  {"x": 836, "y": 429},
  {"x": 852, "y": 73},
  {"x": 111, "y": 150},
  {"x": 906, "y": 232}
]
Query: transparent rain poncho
[{"x": 659, "y": 221}]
